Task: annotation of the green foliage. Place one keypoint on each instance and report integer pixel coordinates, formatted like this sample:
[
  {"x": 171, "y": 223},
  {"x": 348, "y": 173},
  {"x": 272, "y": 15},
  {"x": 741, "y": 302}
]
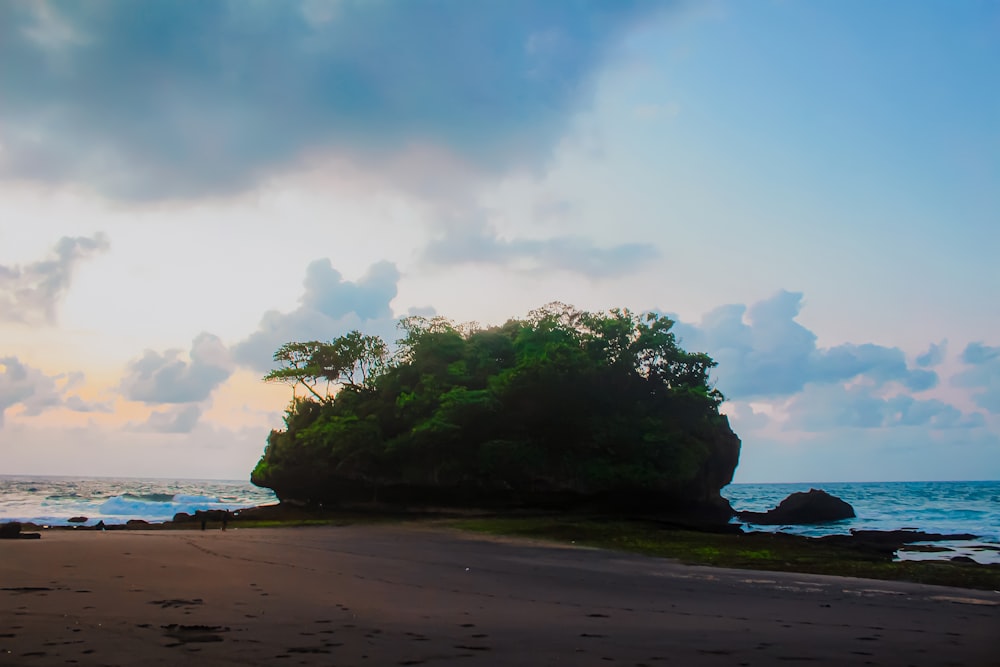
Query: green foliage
[
  {"x": 561, "y": 404},
  {"x": 352, "y": 361}
]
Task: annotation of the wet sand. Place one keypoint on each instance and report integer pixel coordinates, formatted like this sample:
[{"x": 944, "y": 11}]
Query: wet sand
[{"x": 392, "y": 595}]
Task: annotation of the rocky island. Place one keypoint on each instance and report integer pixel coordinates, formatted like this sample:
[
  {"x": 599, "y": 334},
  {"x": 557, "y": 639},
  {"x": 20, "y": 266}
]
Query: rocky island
[{"x": 563, "y": 409}]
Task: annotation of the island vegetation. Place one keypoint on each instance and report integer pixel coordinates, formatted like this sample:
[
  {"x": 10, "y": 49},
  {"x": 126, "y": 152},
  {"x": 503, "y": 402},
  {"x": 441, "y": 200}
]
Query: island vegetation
[{"x": 560, "y": 409}]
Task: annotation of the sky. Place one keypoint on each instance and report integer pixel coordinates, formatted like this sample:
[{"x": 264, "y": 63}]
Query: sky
[{"x": 811, "y": 190}]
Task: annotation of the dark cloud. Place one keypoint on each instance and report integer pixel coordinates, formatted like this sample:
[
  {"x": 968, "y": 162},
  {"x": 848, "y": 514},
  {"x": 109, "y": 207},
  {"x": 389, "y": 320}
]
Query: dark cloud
[
  {"x": 330, "y": 306},
  {"x": 36, "y": 392},
  {"x": 29, "y": 294},
  {"x": 166, "y": 378},
  {"x": 176, "y": 419},
  {"x": 163, "y": 99},
  {"x": 982, "y": 374},
  {"x": 764, "y": 353},
  {"x": 934, "y": 355}
]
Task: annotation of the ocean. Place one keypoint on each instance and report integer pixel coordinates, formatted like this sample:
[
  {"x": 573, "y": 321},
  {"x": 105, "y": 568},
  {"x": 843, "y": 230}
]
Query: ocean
[
  {"x": 52, "y": 501},
  {"x": 933, "y": 507},
  {"x": 942, "y": 507}
]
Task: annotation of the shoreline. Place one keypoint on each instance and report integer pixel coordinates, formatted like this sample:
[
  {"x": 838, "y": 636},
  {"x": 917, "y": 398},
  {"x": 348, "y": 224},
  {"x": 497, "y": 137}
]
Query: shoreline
[
  {"x": 868, "y": 554},
  {"x": 420, "y": 594}
]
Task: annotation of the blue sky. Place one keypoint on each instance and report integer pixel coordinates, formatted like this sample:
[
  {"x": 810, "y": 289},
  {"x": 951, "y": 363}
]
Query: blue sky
[{"x": 810, "y": 189}]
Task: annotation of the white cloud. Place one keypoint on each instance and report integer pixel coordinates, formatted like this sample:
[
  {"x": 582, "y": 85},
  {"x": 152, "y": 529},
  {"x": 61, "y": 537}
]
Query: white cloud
[
  {"x": 329, "y": 306},
  {"x": 934, "y": 355},
  {"x": 982, "y": 375},
  {"x": 37, "y": 392},
  {"x": 29, "y": 294},
  {"x": 166, "y": 378},
  {"x": 829, "y": 407},
  {"x": 763, "y": 351}
]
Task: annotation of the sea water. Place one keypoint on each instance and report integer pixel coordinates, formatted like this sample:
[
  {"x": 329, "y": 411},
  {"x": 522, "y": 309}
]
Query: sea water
[
  {"x": 940, "y": 507},
  {"x": 933, "y": 507},
  {"x": 52, "y": 501}
]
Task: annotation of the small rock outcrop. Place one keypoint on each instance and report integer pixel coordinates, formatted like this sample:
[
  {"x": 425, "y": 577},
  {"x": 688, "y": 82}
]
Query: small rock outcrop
[
  {"x": 814, "y": 506},
  {"x": 77, "y": 519},
  {"x": 12, "y": 531}
]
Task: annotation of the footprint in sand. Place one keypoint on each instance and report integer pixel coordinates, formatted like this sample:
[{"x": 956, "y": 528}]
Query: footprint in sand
[
  {"x": 193, "y": 634},
  {"x": 178, "y": 602}
]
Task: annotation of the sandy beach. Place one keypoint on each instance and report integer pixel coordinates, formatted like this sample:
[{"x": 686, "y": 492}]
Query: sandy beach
[{"x": 407, "y": 595}]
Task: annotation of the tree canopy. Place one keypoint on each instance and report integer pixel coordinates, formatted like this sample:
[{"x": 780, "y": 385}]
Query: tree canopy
[{"x": 559, "y": 407}]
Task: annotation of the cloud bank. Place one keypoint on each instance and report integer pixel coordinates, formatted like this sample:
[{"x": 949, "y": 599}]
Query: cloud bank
[
  {"x": 763, "y": 352},
  {"x": 161, "y": 99}
]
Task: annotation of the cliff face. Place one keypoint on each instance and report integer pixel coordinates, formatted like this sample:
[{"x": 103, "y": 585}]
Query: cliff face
[{"x": 689, "y": 492}]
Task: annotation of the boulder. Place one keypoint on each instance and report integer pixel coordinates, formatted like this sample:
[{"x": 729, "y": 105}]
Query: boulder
[
  {"x": 815, "y": 506},
  {"x": 134, "y": 524},
  {"x": 10, "y": 530}
]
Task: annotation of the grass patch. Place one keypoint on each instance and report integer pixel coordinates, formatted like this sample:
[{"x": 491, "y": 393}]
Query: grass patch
[{"x": 758, "y": 551}]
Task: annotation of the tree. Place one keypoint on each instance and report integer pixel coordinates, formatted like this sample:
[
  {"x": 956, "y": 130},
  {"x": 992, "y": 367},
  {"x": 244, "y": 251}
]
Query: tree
[{"x": 353, "y": 360}]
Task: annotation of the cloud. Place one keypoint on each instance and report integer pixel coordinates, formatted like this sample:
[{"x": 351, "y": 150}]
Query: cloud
[
  {"x": 934, "y": 355},
  {"x": 827, "y": 407},
  {"x": 175, "y": 419},
  {"x": 903, "y": 453},
  {"x": 479, "y": 244},
  {"x": 982, "y": 374},
  {"x": 166, "y": 378},
  {"x": 764, "y": 352},
  {"x": 29, "y": 294},
  {"x": 36, "y": 392},
  {"x": 162, "y": 99},
  {"x": 329, "y": 306}
]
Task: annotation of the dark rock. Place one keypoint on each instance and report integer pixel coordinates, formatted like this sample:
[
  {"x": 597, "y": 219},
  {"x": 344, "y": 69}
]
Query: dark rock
[
  {"x": 908, "y": 536},
  {"x": 886, "y": 542},
  {"x": 815, "y": 506},
  {"x": 10, "y": 530},
  {"x": 136, "y": 523},
  {"x": 182, "y": 517},
  {"x": 962, "y": 559},
  {"x": 77, "y": 519}
]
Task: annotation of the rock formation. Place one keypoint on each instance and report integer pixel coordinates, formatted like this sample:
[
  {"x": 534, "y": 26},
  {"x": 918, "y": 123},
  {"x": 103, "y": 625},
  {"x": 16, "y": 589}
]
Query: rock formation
[{"x": 815, "y": 506}]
